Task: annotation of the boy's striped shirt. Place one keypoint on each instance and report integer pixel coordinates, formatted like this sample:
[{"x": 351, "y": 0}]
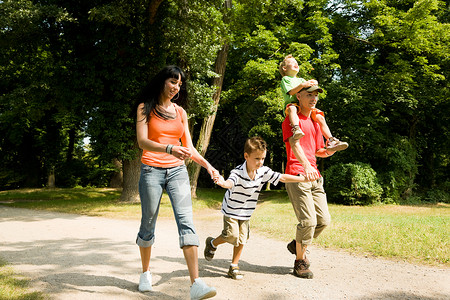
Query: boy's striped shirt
[{"x": 239, "y": 201}]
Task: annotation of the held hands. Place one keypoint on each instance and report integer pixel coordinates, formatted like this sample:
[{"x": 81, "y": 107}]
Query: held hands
[
  {"x": 311, "y": 173},
  {"x": 220, "y": 181},
  {"x": 214, "y": 173}
]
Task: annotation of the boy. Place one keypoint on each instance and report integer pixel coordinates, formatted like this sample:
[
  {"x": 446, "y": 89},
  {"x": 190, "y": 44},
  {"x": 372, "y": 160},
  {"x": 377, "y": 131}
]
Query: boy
[
  {"x": 244, "y": 185},
  {"x": 290, "y": 85}
]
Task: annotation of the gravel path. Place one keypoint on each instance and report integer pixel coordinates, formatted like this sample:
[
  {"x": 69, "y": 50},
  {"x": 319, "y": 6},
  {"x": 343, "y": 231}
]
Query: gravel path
[{"x": 78, "y": 257}]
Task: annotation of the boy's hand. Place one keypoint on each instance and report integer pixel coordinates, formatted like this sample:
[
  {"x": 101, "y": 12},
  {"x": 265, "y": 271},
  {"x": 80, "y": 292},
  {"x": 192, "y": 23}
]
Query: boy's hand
[
  {"x": 215, "y": 174},
  {"x": 311, "y": 173},
  {"x": 212, "y": 172},
  {"x": 219, "y": 180}
]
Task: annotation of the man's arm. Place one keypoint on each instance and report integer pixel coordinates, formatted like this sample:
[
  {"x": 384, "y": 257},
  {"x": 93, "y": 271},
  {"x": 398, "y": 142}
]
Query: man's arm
[
  {"x": 310, "y": 172},
  {"x": 324, "y": 153}
]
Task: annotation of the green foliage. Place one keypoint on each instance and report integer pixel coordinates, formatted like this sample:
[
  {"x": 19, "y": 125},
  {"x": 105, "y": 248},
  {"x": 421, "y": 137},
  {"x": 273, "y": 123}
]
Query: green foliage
[
  {"x": 392, "y": 87},
  {"x": 352, "y": 184},
  {"x": 437, "y": 196},
  {"x": 70, "y": 70},
  {"x": 263, "y": 33}
]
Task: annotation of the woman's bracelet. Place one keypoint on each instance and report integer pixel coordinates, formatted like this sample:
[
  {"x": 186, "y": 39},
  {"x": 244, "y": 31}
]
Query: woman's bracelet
[{"x": 169, "y": 148}]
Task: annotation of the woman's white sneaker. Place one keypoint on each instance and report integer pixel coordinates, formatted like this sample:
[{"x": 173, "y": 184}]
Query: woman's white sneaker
[
  {"x": 145, "y": 282},
  {"x": 200, "y": 290}
]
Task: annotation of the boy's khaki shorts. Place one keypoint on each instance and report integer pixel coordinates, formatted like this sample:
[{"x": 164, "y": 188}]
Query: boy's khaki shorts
[{"x": 235, "y": 232}]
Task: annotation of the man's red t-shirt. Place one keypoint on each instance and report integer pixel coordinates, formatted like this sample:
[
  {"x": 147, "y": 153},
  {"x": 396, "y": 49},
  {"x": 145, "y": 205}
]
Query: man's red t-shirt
[{"x": 311, "y": 142}]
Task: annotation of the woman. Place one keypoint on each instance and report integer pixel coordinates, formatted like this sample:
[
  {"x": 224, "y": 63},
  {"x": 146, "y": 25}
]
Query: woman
[{"x": 160, "y": 126}]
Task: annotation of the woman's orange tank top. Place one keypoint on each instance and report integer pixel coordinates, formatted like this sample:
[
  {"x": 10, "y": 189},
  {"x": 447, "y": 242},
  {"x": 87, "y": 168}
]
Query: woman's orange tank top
[{"x": 164, "y": 132}]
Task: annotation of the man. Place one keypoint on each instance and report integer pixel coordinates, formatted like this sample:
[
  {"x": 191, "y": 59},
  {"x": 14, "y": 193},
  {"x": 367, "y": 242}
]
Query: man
[{"x": 308, "y": 198}]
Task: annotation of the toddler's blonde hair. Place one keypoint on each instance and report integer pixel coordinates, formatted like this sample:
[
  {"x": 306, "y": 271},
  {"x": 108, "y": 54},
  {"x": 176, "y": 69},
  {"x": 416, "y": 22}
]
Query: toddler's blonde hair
[{"x": 283, "y": 63}]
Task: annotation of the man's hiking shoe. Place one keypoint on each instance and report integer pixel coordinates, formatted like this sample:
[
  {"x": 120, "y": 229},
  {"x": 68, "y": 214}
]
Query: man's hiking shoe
[
  {"x": 297, "y": 132},
  {"x": 292, "y": 247},
  {"x": 301, "y": 269},
  {"x": 235, "y": 273},
  {"x": 209, "y": 249},
  {"x": 200, "y": 290},
  {"x": 333, "y": 144},
  {"x": 145, "y": 282}
]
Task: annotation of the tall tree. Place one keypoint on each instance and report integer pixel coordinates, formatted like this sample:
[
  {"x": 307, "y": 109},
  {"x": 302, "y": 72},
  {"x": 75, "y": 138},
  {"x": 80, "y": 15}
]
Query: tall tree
[
  {"x": 392, "y": 85},
  {"x": 39, "y": 114},
  {"x": 177, "y": 32},
  {"x": 208, "y": 122},
  {"x": 264, "y": 32}
]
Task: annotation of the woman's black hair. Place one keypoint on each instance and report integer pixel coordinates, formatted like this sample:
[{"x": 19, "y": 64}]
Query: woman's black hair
[{"x": 149, "y": 95}]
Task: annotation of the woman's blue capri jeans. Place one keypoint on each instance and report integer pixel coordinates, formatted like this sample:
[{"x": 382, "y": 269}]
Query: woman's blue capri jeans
[{"x": 175, "y": 181}]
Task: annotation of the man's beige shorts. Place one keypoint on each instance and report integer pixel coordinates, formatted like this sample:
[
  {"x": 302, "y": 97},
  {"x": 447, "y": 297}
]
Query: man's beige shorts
[{"x": 235, "y": 232}]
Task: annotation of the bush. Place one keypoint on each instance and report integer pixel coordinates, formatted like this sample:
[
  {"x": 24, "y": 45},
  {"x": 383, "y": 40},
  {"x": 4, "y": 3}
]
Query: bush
[
  {"x": 352, "y": 184},
  {"x": 436, "y": 196}
]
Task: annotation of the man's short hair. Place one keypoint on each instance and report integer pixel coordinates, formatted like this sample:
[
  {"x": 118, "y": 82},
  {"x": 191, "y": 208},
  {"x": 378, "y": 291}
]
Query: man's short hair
[
  {"x": 283, "y": 63},
  {"x": 254, "y": 143}
]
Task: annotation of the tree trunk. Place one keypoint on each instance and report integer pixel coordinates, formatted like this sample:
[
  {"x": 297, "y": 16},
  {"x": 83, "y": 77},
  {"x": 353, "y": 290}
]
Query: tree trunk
[
  {"x": 117, "y": 177},
  {"x": 51, "y": 179},
  {"x": 131, "y": 172},
  {"x": 71, "y": 147},
  {"x": 153, "y": 9},
  {"x": 208, "y": 122}
]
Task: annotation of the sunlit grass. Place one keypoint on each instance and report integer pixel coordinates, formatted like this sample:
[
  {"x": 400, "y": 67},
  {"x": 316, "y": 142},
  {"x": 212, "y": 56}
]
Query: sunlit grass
[
  {"x": 14, "y": 287},
  {"x": 102, "y": 202},
  {"x": 417, "y": 234}
]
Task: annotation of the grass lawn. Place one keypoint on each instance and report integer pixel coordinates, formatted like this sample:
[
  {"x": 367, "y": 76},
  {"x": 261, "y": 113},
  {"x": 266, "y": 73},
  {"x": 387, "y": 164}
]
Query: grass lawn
[
  {"x": 15, "y": 287},
  {"x": 418, "y": 234}
]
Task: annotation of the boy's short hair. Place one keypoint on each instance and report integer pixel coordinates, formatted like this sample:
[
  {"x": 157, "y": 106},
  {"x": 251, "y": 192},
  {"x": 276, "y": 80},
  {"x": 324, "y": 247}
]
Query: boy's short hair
[
  {"x": 283, "y": 63},
  {"x": 254, "y": 143}
]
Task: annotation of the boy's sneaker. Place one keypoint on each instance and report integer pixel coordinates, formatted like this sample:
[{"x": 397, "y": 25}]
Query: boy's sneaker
[
  {"x": 200, "y": 290},
  {"x": 301, "y": 269},
  {"x": 333, "y": 144},
  {"x": 209, "y": 249},
  {"x": 297, "y": 132},
  {"x": 145, "y": 282},
  {"x": 235, "y": 273}
]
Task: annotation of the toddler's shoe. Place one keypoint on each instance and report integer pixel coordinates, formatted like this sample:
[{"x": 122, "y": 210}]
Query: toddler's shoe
[
  {"x": 209, "y": 249},
  {"x": 145, "y": 282},
  {"x": 333, "y": 144},
  {"x": 200, "y": 290},
  {"x": 297, "y": 132},
  {"x": 235, "y": 273}
]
